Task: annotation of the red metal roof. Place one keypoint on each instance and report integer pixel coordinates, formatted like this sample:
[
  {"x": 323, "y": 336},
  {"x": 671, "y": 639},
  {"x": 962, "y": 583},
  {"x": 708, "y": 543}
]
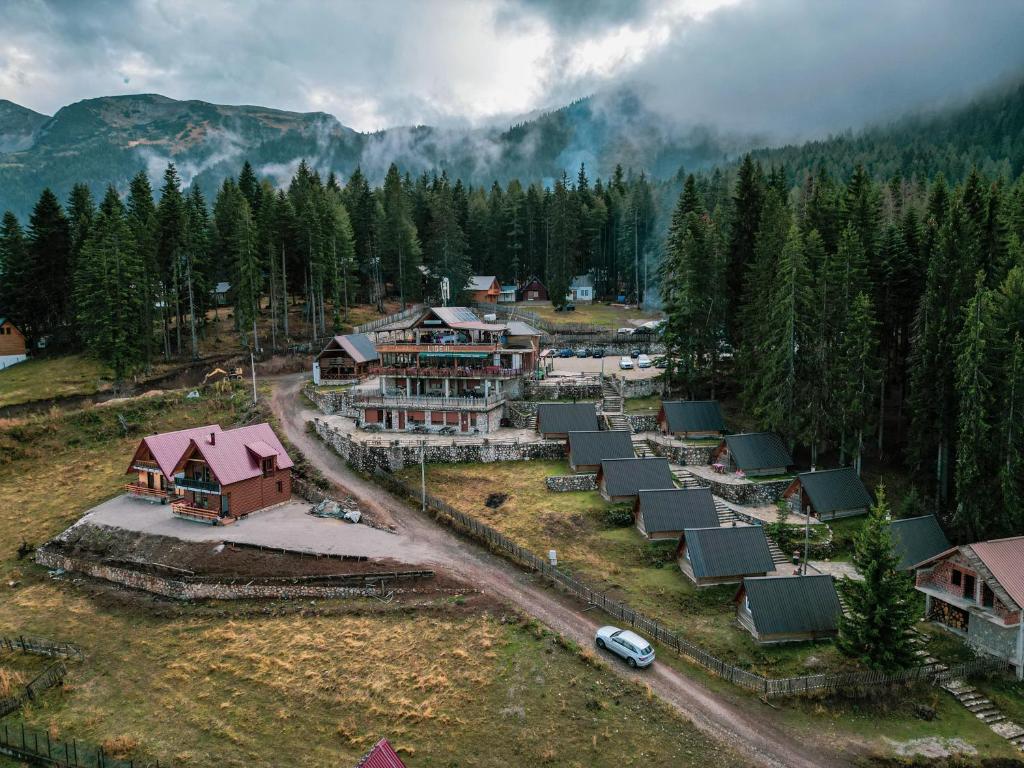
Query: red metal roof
[
  {"x": 235, "y": 453},
  {"x": 381, "y": 756},
  {"x": 1004, "y": 558},
  {"x": 168, "y": 447}
]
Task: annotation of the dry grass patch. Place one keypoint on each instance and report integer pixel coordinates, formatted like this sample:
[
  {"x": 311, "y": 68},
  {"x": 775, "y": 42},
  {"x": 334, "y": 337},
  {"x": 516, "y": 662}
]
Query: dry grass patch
[{"x": 51, "y": 377}]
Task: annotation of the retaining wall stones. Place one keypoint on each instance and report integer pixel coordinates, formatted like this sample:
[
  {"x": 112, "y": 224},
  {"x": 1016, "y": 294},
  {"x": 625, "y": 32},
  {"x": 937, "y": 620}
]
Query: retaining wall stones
[
  {"x": 557, "y": 389},
  {"x": 641, "y": 387},
  {"x": 642, "y": 422},
  {"x": 754, "y": 494},
  {"x": 564, "y": 483},
  {"x": 331, "y": 403},
  {"x": 368, "y": 457},
  {"x": 683, "y": 454}
]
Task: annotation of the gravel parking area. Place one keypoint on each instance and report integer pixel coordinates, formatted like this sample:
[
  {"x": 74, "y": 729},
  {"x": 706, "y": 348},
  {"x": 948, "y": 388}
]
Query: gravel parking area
[{"x": 593, "y": 365}]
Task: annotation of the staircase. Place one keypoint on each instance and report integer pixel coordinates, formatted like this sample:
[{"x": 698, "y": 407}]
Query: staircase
[
  {"x": 686, "y": 480},
  {"x": 617, "y": 421},
  {"x": 778, "y": 556},
  {"x": 611, "y": 400},
  {"x": 531, "y": 423},
  {"x": 986, "y": 711},
  {"x": 641, "y": 448}
]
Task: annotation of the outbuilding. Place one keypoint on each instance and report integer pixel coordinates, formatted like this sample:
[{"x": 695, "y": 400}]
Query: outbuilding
[
  {"x": 665, "y": 513},
  {"x": 755, "y": 453},
  {"x": 556, "y": 420},
  {"x": 828, "y": 494},
  {"x": 691, "y": 418},
  {"x": 916, "y": 539},
  {"x": 623, "y": 479},
  {"x": 345, "y": 359},
  {"x": 787, "y": 609},
  {"x": 12, "y": 344},
  {"x": 588, "y": 449},
  {"x": 533, "y": 290},
  {"x": 484, "y": 289},
  {"x": 709, "y": 556}
]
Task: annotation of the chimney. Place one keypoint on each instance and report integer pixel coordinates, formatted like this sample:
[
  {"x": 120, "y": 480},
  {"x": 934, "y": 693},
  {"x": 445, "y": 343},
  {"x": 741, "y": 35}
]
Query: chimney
[{"x": 213, "y": 438}]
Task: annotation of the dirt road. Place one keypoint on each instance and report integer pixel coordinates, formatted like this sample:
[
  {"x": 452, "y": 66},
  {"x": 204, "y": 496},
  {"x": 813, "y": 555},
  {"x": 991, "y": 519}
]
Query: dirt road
[{"x": 744, "y": 724}]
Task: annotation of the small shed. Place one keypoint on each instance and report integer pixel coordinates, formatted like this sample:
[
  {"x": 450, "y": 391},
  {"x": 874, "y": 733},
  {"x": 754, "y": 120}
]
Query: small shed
[
  {"x": 533, "y": 290},
  {"x": 220, "y": 293},
  {"x": 557, "y": 420},
  {"x": 828, "y": 494},
  {"x": 786, "y": 609},
  {"x": 484, "y": 289},
  {"x": 756, "y": 453},
  {"x": 507, "y": 295},
  {"x": 581, "y": 289},
  {"x": 665, "y": 513},
  {"x": 588, "y": 449},
  {"x": 709, "y": 556},
  {"x": 691, "y": 418},
  {"x": 916, "y": 539},
  {"x": 12, "y": 344},
  {"x": 623, "y": 479},
  {"x": 345, "y": 358}
]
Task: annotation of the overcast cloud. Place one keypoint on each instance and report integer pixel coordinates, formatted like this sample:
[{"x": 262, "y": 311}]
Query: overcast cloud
[{"x": 787, "y": 67}]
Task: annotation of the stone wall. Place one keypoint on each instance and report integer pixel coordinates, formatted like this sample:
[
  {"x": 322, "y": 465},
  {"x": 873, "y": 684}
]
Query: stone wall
[
  {"x": 753, "y": 494},
  {"x": 683, "y": 454},
  {"x": 641, "y": 422},
  {"x": 209, "y": 589},
  {"x": 369, "y": 456},
  {"x": 559, "y": 389},
  {"x": 990, "y": 637},
  {"x": 519, "y": 413},
  {"x": 641, "y": 387},
  {"x": 563, "y": 483},
  {"x": 331, "y": 403}
]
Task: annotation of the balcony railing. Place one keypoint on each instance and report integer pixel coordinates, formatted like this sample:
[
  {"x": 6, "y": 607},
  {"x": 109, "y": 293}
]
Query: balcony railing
[
  {"x": 194, "y": 484},
  {"x": 425, "y": 402},
  {"x": 454, "y": 372},
  {"x": 189, "y": 512},
  {"x": 144, "y": 491},
  {"x": 413, "y": 347},
  {"x": 146, "y": 466}
]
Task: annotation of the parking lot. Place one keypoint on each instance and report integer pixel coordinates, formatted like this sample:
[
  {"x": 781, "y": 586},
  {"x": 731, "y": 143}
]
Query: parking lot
[{"x": 610, "y": 365}]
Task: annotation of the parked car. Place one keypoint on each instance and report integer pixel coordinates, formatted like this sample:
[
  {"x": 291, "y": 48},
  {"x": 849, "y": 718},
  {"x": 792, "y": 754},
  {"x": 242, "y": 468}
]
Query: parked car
[
  {"x": 635, "y": 353},
  {"x": 597, "y": 351},
  {"x": 625, "y": 331},
  {"x": 582, "y": 352},
  {"x": 565, "y": 352},
  {"x": 570, "y": 307},
  {"x": 629, "y": 645},
  {"x": 625, "y": 363},
  {"x": 643, "y": 361},
  {"x": 661, "y": 362}
]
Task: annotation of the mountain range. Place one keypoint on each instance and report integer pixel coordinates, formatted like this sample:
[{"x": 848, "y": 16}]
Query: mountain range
[{"x": 109, "y": 139}]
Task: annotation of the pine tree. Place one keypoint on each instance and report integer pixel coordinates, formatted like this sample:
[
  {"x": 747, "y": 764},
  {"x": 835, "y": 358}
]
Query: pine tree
[
  {"x": 46, "y": 293},
  {"x": 748, "y": 202},
  {"x": 399, "y": 243},
  {"x": 875, "y": 630},
  {"x": 142, "y": 219},
  {"x": 1011, "y": 473},
  {"x": 14, "y": 269},
  {"x": 169, "y": 250},
  {"x": 445, "y": 246},
  {"x": 857, "y": 376},
  {"x": 247, "y": 273}
]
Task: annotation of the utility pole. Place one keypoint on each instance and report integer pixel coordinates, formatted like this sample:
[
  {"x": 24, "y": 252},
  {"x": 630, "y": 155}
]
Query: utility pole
[
  {"x": 807, "y": 542},
  {"x": 423, "y": 475},
  {"x": 252, "y": 366}
]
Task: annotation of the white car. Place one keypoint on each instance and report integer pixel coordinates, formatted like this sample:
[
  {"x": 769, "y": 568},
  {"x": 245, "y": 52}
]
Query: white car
[
  {"x": 625, "y": 363},
  {"x": 643, "y": 361},
  {"x": 625, "y": 331},
  {"x": 629, "y": 645}
]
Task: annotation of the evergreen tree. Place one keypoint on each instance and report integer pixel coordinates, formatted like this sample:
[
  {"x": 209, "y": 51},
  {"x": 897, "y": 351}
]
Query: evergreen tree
[
  {"x": 748, "y": 202},
  {"x": 1011, "y": 473},
  {"x": 169, "y": 250},
  {"x": 142, "y": 220},
  {"x": 14, "y": 267},
  {"x": 445, "y": 246},
  {"x": 857, "y": 376},
  {"x": 875, "y": 630},
  {"x": 46, "y": 293},
  {"x": 399, "y": 243}
]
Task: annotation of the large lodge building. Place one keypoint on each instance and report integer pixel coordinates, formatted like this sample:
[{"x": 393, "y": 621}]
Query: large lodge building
[{"x": 446, "y": 369}]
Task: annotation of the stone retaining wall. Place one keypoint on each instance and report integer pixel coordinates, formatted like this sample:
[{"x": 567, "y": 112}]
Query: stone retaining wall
[
  {"x": 564, "y": 483},
  {"x": 641, "y": 387},
  {"x": 754, "y": 494},
  {"x": 391, "y": 458},
  {"x": 683, "y": 454},
  {"x": 180, "y": 589},
  {"x": 642, "y": 422},
  {"x": 331, "y": 403},
  {"x": 556, "y": 389}
]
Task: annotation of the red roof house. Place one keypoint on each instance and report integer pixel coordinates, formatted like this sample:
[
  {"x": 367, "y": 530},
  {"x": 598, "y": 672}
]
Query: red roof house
[
  {"x": 155, "y": 459},
  {"x": 382, "y": 755}
]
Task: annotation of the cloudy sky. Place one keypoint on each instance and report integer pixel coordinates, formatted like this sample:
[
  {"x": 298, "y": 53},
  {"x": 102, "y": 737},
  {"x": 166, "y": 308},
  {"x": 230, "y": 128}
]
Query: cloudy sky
[{"x": 795, "y": 67}]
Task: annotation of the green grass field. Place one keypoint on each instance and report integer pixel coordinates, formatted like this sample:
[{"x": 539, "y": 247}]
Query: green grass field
[
  {"x": 591, "y": 314},
  {"x": 51, "y": 377}
]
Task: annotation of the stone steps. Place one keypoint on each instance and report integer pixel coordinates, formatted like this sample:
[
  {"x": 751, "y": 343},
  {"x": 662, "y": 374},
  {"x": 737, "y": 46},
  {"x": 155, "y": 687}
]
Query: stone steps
[
  {"x": 983, "y": 709},
  {"x": 641, "y": 449},
  {"x": 686, "y": 479}
]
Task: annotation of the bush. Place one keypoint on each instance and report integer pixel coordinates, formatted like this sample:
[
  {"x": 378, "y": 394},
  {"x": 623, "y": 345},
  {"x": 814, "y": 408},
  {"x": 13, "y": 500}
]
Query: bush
[{"x": 618, "y": 516}]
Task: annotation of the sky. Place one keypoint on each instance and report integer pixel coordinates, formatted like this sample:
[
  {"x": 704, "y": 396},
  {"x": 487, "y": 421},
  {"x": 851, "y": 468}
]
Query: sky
[{"x": 792, "y": 68}]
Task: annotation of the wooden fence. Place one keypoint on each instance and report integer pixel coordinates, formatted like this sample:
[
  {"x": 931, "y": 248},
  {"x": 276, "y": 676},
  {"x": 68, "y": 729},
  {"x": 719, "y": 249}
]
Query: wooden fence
[
  {"x": 382, "y": 321},
  {"x": 40, "y": 647},
  {"x": 37, "y": 748},
  {"x": 765, "y": 686}
]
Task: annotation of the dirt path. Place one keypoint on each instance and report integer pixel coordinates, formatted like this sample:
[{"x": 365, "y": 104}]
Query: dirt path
[{"x": 744, "y": 724}]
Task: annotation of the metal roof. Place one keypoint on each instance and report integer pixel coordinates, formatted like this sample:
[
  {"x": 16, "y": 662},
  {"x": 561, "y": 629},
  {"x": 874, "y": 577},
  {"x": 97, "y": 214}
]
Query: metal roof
[
  {"x": 832, "y": 490},
  {"x": 558, "y": 418},
  {"x": 382, "y": 755},
  {"x": 519, "y": 328},
  {"x": 916, "y": 539},
  {"x": 675, "y": 509},
  {"x": 785, "y": 604},
  {"x": 167, "y": 448},
  {"x": 235, "y": 453},
  {"x": 627, "y": 477},
  {"x": 461, "y": 318},
  {"x": 481, "y": 282},
  {"x": 222, "y": 287},
  {"x": 593, "y": 446},
  {"x": 731, "y": 551},
  {"x": 1003, "y": 558},
  {"x": 358, "y": 346},
  {"x": 582, "y": 281},
  {"x": 758, "y": 450},
  {"x": 693, "y": 416}
]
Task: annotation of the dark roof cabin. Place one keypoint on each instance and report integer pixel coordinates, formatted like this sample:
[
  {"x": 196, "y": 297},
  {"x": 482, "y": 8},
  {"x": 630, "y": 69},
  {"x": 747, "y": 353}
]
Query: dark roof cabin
[
  {"x": 916, "y": 539},
  {"x": 756, "y": 453},
  {"x": 691, "y": 418},
  {"x": 623, "y": 479},
  {"x": 666, "y": 513},
  {"x": 533, "y": 290},
  {"x": 345, "y": 358},
  {"x": 727, "y": 555},
  {"x": 829, "y": 493},
  {"x": 588, "y": 449},
  {"x": 557, "y": 420},
  {"x": 783, "y": 609}
]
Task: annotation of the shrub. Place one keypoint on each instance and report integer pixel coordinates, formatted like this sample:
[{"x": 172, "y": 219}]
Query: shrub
[{"x": 618, "y": 516}]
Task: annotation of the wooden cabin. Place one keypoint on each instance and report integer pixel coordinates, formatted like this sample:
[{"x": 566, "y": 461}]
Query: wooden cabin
[
  {"x": 345, "y": 359},
  {"x": 691, "y": 419},
  {"x": 484, "y": 289},
  {"x": 230, "y": 474},
  {"x": 755, "y": 453},
  {"x": 12, "y": 344},
  {"x": 556, "y": 420},
  {"x": 788, "y": 609},
  {"x": 667, "y": 512},
  {"x": 709, "y": 556},
  {"x": 153, "y": 465},
  {"x": 533, "y": 290},
  {"x": 623, "y": 479},
  {"x": 828, "y": 494},
  {"x": 588, "y": 449}
]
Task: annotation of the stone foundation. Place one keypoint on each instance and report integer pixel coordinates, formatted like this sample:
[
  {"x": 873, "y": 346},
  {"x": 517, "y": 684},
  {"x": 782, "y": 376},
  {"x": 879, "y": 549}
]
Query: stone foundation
[
  {"x": 331, "y": 403},
  {"x": 565, "y": 483},
  {"x": 556, "y": 389},
  {"x": 752, "y": 494},
  {"x": 642, "y": 422},
  {"x": 641, "y": 387},
  {"x": 683, "y": 454}
]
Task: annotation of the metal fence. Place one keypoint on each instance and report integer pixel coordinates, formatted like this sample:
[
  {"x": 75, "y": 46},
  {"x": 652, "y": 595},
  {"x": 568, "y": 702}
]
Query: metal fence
[
  {"x": 37, "y": 748},
  {"x": 765, "y": 686},
  {"x": 382, "y": 321},
  {"x": 49, "y": 677},
  {"x": 41, "y": 647}
]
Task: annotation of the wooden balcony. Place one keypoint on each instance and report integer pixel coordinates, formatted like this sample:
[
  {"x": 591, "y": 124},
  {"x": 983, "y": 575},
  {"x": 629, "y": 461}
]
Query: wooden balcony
[
  {"x": 427, "y": 402},
  {"x": 192, "y": 484},
  {"x": 146, "y": 466},
  {"x": 410, "y": 347},
  {"x": 145, "y": 492},
  {"x": 453, "y": 372},
  {"x": 186, "y": 511}
]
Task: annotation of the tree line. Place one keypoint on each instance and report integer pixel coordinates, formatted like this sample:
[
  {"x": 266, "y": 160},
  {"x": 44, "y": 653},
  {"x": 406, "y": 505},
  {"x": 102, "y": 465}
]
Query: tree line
[{"x": 881, "y": 316}]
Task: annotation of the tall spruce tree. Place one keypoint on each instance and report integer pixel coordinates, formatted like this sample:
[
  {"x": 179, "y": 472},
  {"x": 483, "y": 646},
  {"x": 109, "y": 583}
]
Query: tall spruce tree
[
  {"x": 857, "y": 376},
  {"x": 46, "y": 292}
]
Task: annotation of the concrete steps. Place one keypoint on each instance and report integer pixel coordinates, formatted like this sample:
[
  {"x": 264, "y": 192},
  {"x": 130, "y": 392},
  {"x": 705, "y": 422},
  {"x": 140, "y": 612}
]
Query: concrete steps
[
  {"x": 983, "y": 709},
  {"x": 531, "y": 423},
  {"x": 616, "y": 421},
  {"x": 686, "y": 479},
  {"x": 641, "y": 449}
]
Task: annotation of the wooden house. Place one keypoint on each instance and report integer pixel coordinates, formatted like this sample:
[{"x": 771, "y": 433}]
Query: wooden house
[
  {"x": 587, "y": 449},
  {"x": 556, "y": 420},
  {"x": 507, "y": 294},
  {"x": 691, "y": 418},
  {"x": 786, "y": 609},
  {"x": 755, "y": 453},
  {"x": 916, "y": 539},
  {"x": 345, "y": 359},
  {"x": 12, "y": 344},
  {"x": 153, "y": 465},
  {"x": 533, "y": 290},
  {"x": 828, "y": 494},
  {"x": 665, "y": 513},
  {"x": 709, "y": 556},
  {"x": 977, "y": 591},
  {"x": 484, "y": 289},
  {"x": 232, "y": 473},
  {"x": 382, "y": 755},
  {"x": 623, "y": 479}
]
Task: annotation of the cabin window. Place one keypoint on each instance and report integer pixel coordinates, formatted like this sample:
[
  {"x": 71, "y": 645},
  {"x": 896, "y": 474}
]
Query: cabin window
[
  {"x": 268, "y": 467},
  {"x": 956, "y": 578},
  {"x": 988, "y": 598},
  {"x": 968, "y": 586},
  {"x": 686, "y": 553},
  {"x": 280, "y": 486}
]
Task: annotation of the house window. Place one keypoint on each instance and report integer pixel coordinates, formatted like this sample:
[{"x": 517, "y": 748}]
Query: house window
[
  {"x": 956, "y": 578},
  {"x": 969, "y": 586},
  {"x": 268, "y": 467},
  {"x": 988, "y": 598},
  {"x": 280, "y": 487},
  {"x": 746, "y": 603}
]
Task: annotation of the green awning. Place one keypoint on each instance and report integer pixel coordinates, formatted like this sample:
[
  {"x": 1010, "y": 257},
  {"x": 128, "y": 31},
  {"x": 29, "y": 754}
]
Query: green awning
[{"x": 477, "y": 355}]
